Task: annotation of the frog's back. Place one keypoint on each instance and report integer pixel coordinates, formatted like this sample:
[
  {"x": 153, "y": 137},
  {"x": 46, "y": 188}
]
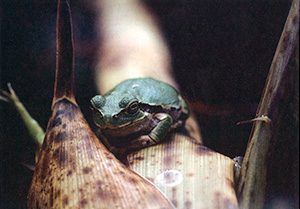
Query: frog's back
[{"x": 150, "y": 91}]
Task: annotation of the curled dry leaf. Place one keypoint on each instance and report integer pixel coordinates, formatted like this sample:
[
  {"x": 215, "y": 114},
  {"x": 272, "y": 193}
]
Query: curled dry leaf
[{"x": 76, "y": 171}]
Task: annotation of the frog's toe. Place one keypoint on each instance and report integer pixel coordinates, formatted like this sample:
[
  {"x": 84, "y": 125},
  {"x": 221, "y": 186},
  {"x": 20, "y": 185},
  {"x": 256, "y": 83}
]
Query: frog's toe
[
  {"x": 141, "y": 142},
  {"x": 147, "y": 140}
]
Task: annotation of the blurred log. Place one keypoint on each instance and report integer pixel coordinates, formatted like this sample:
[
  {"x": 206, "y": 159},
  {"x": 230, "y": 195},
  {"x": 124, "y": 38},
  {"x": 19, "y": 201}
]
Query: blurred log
[
  {"x": 191, "y": 175},
  {"x": 131, "y": 45},
  {"x": 252, "y": 183}
]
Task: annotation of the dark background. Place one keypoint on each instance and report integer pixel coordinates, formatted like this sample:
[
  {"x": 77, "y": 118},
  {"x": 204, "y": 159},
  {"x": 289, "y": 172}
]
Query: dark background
[{"x": 221, "y": 50}]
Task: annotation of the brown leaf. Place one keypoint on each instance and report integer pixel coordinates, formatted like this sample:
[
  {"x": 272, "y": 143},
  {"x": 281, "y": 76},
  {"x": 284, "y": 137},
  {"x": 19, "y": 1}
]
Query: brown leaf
[{"x": 76, "y": 171}]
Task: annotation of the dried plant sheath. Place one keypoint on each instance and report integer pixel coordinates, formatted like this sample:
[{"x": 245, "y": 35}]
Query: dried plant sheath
[{"x": 76, "y": 171}]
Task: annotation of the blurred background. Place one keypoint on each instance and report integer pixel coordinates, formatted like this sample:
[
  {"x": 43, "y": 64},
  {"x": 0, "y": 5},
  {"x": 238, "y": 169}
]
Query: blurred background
[{"x": 221, "y": 54}]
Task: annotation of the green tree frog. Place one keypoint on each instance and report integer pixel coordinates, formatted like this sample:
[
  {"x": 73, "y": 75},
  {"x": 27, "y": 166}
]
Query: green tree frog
[{"x": 138, "y": 113}]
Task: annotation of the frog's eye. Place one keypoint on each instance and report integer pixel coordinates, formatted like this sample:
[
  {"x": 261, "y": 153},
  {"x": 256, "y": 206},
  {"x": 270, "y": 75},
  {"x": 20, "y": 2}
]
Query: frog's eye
[
  {"x": 132, "y": 108},
  {"x": 126, "y": 101},
  {"x": 98, "y": 101}
]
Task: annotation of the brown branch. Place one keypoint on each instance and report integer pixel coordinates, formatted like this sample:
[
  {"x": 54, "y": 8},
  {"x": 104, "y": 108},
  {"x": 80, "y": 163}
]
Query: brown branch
[{"x": 252, "y": 182}]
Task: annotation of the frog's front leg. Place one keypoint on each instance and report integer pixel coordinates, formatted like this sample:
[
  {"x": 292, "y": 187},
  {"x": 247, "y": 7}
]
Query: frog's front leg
[{"x": 157, "y": 134}]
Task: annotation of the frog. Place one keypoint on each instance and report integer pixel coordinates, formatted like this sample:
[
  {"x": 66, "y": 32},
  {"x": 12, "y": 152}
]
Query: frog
[{"x": 138, "y": 113}]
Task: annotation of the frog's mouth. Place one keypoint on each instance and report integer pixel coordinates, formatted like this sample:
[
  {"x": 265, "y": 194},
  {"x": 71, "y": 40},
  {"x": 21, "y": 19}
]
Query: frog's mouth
[{"x": 142, "y": 124}]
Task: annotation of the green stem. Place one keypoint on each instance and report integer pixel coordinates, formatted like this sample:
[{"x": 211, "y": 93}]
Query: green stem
[{"x": 34, "y": 129}]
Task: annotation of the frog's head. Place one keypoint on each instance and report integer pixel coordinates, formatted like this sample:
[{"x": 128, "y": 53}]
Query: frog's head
[{"x": 114, "y": 111}]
